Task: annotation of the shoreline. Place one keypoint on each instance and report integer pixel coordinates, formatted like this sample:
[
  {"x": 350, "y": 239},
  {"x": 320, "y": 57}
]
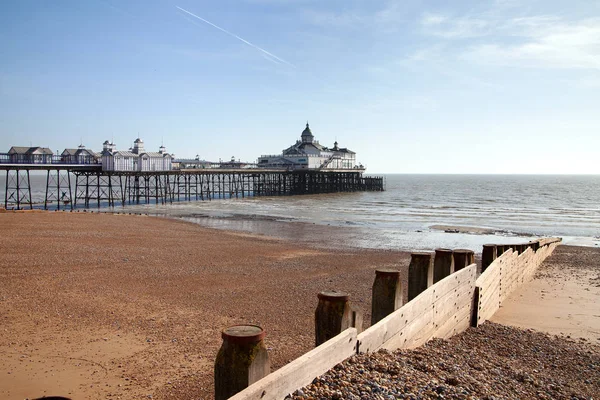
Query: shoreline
[{"x": 132, "y": 306}]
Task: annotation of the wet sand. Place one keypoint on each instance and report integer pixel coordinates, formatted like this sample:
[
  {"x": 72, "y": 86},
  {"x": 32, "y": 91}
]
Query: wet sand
[
  {"x": 562, "y": 299},
  {"x": 102, "y": 306}
]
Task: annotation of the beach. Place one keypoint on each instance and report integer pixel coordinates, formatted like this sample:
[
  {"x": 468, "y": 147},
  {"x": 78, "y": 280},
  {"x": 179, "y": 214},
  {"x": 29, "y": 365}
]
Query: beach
[
  {"x": 126, "y": 306},
  {"x": 116, "y": 306}
]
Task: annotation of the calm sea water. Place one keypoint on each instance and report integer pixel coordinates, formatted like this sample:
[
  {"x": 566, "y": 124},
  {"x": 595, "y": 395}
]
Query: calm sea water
[{"x": 408, "y": 215}]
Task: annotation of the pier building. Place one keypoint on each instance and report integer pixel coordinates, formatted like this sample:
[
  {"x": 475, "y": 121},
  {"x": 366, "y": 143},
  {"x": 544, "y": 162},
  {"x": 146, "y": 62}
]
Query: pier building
[
  {"x": 29, "y": 155},
  {"x": 308, "y": 153},
  {"x": 135, "y": 159},
  {"x": 80, "y": 155}
]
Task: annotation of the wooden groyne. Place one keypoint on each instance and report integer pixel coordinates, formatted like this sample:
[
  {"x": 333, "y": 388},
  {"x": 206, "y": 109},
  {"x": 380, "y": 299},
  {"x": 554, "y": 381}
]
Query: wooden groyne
[
  {"x": 91, "y": 187},
  {"x": 461, "y": 298}
]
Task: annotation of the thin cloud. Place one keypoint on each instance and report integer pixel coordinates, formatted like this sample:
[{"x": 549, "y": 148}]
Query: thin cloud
[
  {"x": 546, "y": 43},
  {"x": 454, "y": 28},
  {"x": 269, "y": 56}
]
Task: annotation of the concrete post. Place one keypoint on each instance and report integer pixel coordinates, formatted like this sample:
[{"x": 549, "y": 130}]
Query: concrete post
[
  {"x": 463, "y": 258},
  {"x": 332, "y": 316},
  {"x": 443, "y": 264},
  {"x": 488, "y": 256},
  {"x": 241, "y": 361},
  {"x": 387, "y": 294},
  {"x": 420, "y": 274}
]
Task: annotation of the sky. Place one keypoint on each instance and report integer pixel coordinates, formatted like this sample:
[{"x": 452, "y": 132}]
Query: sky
[{"x": 501, "y": 86}]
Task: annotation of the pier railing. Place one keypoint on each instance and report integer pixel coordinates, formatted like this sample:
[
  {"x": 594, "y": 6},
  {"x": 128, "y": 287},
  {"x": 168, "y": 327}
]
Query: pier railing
[{"x": 6, "y": 158}]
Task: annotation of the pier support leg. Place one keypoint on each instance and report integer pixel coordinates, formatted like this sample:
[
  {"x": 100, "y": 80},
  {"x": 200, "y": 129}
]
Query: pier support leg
[
  {"x": 387, "y": 294},
  {"x": 242, "y": 360},
  {"x": 18, "y": 189}
]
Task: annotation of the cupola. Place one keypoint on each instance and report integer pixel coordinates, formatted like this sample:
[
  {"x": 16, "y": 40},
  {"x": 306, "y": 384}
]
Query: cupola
[{"x": 307, "y": 136}]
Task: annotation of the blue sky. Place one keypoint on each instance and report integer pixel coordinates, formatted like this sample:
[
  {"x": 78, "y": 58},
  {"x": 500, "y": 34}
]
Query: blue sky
[{"x": 500, "y": 86}]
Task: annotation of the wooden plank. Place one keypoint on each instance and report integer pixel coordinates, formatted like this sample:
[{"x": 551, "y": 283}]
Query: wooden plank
[
  {"x": 413, "y": 323},
  {"x": 302, "y": 370},
  {"x": 460, "y": 322},
  {"x": 414, "y": 334},
  {"x": 489, "y": 305},
  {"x": 375, "y": 336},
  {"x": 443, "y": 310}
]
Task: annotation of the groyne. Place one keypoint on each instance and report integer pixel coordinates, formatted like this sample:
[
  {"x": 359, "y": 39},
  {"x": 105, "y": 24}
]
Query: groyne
[{"x": 460, "y": 299}]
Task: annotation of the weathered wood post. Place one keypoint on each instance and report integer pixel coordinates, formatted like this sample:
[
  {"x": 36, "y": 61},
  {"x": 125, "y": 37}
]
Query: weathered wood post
[
  {"x": 463, "y": 258},
  {"x": 535, "y": 245},
  {"x": 387, "y": 294},
  {"x": 241, "y": 361},
  {"x": 443, "y": 264},
  {"x": 488, "y": 256},
  {"x": 500, "y": 249},
  {"x": 420, "y": 273},
  {"x": 332, "y": 316}
]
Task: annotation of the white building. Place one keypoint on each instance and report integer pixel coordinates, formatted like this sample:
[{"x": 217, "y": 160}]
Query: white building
[
  {"x": 307, "y": 153},
  {"x": 135, "y": 159}
]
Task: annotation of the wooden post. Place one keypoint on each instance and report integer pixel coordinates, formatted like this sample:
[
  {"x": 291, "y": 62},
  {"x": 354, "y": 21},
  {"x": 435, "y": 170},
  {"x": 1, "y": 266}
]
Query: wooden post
[
  {"x": 420, "y": 274},
  {"x": 500, "y": 249},
  {"x": 387, "y": 294},
  {"x": 487, "y": 256},
  {"x": 535, "y": 245},
  {"x": 332, "y": 316},
  {"x": 241, "y": 361},
  {"x": 463, "y": 258},
  {"x": 443, "y": 264}
]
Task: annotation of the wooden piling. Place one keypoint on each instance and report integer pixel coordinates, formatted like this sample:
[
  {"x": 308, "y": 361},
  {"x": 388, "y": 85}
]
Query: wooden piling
[
  {"x": 420, "y": 273},
  {"x": 488, "y": 255},
  {"x": 332, "y": 316},
  {"x": 463, "y": 258},
  {"x": 386, "y": 294},
  {"x": 443, "y": 264},
  {"x": 242, "y": 360},
  {"x": 500, "y": 249}
]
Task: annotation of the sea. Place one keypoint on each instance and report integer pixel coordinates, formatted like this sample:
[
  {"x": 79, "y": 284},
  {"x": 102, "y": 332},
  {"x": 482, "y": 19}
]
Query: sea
[{"x": 415, "y": 212}]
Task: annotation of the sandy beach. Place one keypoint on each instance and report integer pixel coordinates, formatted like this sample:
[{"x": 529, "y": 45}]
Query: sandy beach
[{"x": 101, "y": 306}]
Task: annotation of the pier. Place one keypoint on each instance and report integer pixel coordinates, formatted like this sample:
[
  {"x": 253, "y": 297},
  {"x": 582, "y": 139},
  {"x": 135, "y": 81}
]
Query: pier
[{"x": 87, "y": 185}]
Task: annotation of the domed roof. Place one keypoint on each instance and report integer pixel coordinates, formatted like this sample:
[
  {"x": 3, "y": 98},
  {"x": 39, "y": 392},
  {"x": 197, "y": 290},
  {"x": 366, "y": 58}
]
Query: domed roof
[
  {"x": 307, "y": 130},
  {"x": 138, "y": 140}
]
